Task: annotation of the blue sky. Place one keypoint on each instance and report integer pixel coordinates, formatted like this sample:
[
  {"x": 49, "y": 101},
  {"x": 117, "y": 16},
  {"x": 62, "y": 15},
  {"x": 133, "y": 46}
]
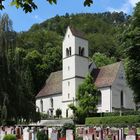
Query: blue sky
[{"x": 22, "y": 21}]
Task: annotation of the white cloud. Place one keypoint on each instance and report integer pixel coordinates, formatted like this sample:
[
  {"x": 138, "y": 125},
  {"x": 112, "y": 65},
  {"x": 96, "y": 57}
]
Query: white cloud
[
  {"x": 133, "y": 2},
  {"x": 126, "y": 7}
]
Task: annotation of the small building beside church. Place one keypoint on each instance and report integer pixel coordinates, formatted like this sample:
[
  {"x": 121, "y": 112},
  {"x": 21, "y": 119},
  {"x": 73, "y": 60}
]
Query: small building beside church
[{"x": 61, "y": 87}]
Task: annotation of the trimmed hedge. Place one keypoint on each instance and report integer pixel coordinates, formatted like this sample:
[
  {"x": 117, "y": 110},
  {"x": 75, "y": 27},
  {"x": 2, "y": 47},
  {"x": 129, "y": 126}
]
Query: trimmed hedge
[
  {"x": 114, "y": 120},
  {"x": 9, "y": 137}
]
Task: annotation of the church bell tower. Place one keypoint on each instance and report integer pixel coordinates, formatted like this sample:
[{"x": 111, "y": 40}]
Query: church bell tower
[{"x": 75, "y": 65}]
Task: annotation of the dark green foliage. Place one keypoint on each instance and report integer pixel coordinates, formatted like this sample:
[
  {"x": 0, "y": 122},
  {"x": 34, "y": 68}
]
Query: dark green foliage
[
  {"x": 79, "y": 138},
  {"x": 43, "y": 116},
  {"x": 29, "y": 5},
  {"x": 41, "y": 135},
  {"x": 16, "y": 94},
  {"x": 67, "y": 126},
  {"x": 102, "y": 60},
  {"x": 58, "y": 112},
  {"x": 87, "y": 96},
  {"x": 87, "y": 99},
  {"x": 9, "y": 137},
  {"x": 114, "y": 120},
  {"x": 123, "y": 113},
  {"x": 131, "y": 43}
]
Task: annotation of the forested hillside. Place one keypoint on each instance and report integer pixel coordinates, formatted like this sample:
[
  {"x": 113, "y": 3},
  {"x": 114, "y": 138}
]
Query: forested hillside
[{"x": 27, "y": 58}]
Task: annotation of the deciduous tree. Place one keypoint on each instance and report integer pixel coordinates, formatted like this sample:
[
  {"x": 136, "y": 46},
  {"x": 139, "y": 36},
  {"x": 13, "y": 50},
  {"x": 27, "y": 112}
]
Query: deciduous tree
[
  {"x": 29, "y": 5},
  {"x": 131, "y": 43}
]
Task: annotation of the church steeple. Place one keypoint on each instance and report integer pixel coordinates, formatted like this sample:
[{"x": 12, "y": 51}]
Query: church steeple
[{"x": 75, "y": 63}]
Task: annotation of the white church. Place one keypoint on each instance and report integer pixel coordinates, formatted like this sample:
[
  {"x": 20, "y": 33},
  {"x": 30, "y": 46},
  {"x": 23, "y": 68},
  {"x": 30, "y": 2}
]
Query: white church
[{"x": 61, "y": 87}]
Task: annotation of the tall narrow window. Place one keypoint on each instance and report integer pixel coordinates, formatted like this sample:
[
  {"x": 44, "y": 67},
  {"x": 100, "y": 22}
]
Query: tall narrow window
[
  {"x": 99, "y": 98},
  {"x": 51, "y": 100},
  {"x": 122, "y": 104},
  {"x": 41, "y": 105},
  {"x": 81, "y": 51},
  {"x": 68, "y": 52},
  {"x": 67, "y": 113},
  {"x": 68, "y": 95}
]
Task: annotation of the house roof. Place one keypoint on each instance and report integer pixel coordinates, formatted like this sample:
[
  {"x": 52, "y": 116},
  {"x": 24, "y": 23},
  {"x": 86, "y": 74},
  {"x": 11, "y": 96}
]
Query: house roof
[
  {"x": 77, "y": 33},
  {"x": 52, "y": 86},
  {"x": 103, "y": 77}
]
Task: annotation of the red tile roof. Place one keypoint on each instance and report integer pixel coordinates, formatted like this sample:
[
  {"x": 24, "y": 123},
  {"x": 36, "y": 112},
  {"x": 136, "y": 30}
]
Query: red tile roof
[
  {"x": 52, "y": 86},
  {"x": 105, "y": 76},
  {"x": 77, "y": 33}
]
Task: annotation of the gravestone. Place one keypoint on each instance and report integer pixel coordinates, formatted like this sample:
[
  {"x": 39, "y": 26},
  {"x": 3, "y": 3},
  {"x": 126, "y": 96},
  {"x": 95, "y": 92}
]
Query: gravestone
[
  {"x": 54, "y": 136},
  {"x": 26, "y": 133},
  {"x": 88, "y": 137},
  {"x": 49, "y": 132},
  {"x": 69, "y": 134},
  {"x": 131, "y": 137}
]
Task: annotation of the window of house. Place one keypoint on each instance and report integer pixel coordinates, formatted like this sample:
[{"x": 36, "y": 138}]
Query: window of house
[
  {"x": 41, "y": 105},
  {"x": 68, "y": 95},
  {"x": 68, "y": 52},
  {"x": 68, "y": 83},
  {"x": 122, "y": 99},
  {"x": 81, "y": 51},
  {"x": 99, "y": 98},
  {"x": 51, "y": 100},
  {"x": 67, "y": 113}
]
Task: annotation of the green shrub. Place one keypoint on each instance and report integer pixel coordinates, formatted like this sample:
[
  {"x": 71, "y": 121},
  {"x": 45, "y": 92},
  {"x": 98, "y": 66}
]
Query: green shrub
[
  {"x": 58, "y": 113},
  {"x": 41, "y": 135},
  {"x": 79, "y": 138},
  {"x": 9, "y": 137},
  {"x": 114, "y": 120},
  {"x": 44, "y": 116},
  {"x": 67, "y": 126}
]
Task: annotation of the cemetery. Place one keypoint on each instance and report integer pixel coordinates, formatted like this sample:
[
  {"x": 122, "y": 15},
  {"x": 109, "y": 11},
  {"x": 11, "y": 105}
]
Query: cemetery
[{"x": 68, "y": 132}]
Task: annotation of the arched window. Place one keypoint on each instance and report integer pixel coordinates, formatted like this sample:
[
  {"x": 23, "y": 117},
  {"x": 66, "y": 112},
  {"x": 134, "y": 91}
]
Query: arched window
[
  {"x": 121, "y": 99},
  {"x": 81, "y": 51},
  {"x": 99, "y": 98},
  {"x": 41, "y": 105},
  {"x": 51, "y": 100},
  {"x": 67, "y": 113},
  {"x": 68, "y": 52}
]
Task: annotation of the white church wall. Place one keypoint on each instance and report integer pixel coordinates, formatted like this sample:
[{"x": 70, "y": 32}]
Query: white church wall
[
  {"x": 57, "y": 103},
  {"x": 65, "y": 108},
  {"x": 68, "y": 88},
  {"x": 81, "y": 66},
  {"x": 105, "y": 100},
  {"x": 69, "y": 67},
  {"x": 81, "y": 43},
  {"x": 120, "y": 85}
]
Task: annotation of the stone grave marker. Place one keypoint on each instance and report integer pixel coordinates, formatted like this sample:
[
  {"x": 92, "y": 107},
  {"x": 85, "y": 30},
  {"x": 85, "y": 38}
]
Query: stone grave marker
[
  {"x": 88, "y": 137},
  {"x": 54, "y": 136},
  {"x": 69, "y": 134},
  {"x": 26, "y": 133},
  {"x": 49, "y": 132},
  {"x": 130, "y": 137}
]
